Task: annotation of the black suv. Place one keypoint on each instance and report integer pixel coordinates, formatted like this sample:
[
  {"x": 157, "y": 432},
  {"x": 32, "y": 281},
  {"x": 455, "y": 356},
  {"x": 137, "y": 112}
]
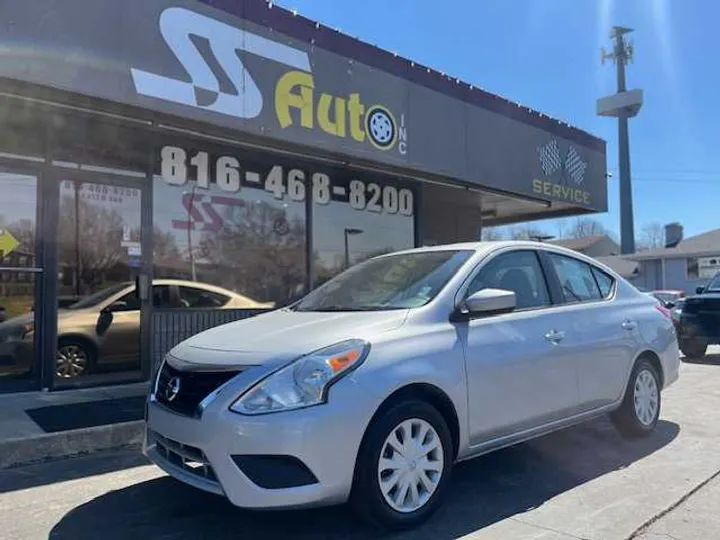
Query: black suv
[{"x": 700, "y": 320}]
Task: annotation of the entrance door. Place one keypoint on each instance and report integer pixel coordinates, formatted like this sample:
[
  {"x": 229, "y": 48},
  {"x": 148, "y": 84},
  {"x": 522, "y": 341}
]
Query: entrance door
[
  {"x": 19, "y": 273},
  {"x": 99, "y": 263}
]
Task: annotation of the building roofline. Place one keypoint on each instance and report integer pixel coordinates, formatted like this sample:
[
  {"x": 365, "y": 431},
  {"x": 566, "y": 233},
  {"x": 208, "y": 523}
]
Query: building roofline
[
  {"x": 303, "y": 29},
  {"x": 671, "y": 254}
]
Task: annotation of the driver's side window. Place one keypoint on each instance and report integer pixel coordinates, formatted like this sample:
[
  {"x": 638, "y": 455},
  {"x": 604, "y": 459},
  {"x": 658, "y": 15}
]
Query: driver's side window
[{"x": 516, "y": 271}]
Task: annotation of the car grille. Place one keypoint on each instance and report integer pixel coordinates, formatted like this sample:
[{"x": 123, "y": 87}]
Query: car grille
[
  {"x": 189, "y": 458},
  {"x": 183, "y": 391}
]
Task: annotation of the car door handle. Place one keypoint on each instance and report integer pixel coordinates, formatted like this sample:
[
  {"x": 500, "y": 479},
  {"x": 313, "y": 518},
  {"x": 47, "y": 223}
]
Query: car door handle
[
  {"x": 629, "y": 325},
  {"x": 555, "y": 336}
]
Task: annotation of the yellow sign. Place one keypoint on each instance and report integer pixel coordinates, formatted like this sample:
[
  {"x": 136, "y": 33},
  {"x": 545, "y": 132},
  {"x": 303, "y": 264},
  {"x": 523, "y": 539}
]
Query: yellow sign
[
  {"x": 7, "y": 243},
  {"x": 335, "y": 115}
]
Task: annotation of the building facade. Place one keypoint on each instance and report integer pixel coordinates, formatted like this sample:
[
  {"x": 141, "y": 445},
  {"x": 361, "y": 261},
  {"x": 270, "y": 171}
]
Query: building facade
[
  {"x": 684, "y": 264},
  {"x": 596, "y": 245},
  {"x": 170, "y": 165}
]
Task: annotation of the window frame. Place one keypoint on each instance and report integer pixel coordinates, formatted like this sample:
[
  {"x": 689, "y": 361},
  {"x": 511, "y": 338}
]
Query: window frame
[
  {"x": 613, "y": 281},
  {"x": 545, "y": 256},
  {"x": 461, "y": 294}
]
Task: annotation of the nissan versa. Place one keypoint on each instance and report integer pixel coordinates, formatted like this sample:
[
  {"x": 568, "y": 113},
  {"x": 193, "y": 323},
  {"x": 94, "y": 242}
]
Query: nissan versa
[{"x": 370, "y": 388}]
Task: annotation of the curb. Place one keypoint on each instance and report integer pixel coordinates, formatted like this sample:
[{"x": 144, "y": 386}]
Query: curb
[{"x": 16, "y": 452}]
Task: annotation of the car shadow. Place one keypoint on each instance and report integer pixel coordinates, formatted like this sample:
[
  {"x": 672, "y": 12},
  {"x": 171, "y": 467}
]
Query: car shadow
[
  {"x": 708, "y": 359},
  {"x": 482, "y": 491},
  {"x": 63, "y": 470}
]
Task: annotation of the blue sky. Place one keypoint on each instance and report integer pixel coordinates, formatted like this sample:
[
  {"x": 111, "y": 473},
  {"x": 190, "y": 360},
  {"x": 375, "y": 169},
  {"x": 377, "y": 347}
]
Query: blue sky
[{"x": 546, "y": 54}]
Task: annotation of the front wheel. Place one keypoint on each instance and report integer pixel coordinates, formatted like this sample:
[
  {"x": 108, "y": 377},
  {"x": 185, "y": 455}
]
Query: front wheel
[
  {"x": 693, "y": 348},
  {"x": 403, "y": 466},
  {"x": 640, "y": 410}
]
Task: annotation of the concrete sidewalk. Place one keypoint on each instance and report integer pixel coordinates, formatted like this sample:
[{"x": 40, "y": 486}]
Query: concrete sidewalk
[
  {"x": 23, "y": 441},
  {"x": 694, "y": 518}
]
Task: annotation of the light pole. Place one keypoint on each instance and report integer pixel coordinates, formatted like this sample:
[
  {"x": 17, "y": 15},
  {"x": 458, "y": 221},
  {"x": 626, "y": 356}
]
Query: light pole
[
  {"x": 349, "y": 232},
  {"x": 190, "y": 225},
  {"x": 622, "y": 105}
]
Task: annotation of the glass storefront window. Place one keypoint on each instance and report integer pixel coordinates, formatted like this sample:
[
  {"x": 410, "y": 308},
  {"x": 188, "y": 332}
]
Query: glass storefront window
[
  {"x": 237, "y": 224},
  {"x": 17, "y": 278},
  {"x": 99, "y": 251},
  {"x": 365, "y": 216}
]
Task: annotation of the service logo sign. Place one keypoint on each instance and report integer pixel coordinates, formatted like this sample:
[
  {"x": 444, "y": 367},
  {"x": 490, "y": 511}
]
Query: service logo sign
[
  {"x": 571, "y": 172},
  {"x": 295, "y": 91}
]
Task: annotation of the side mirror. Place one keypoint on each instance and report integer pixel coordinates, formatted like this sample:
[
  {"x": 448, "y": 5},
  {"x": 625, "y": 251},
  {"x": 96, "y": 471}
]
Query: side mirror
[
  {"x": 104, "y": 321},
  {"x": 700, "y": 290},
  {"x": 490, "y": 301}
]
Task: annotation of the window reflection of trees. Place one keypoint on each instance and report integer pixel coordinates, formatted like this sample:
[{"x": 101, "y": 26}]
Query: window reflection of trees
[
  {"x": 259, "y": 252},
  {"x": 90, "y": 236}
]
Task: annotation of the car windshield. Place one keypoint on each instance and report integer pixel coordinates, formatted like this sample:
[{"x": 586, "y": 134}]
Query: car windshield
[
  {"x": 401, "y": 281},
  {"x": 714, "y": 285},
  {"x": 98, "y": 297}
]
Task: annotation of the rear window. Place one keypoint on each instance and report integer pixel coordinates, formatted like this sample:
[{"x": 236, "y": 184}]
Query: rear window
[
  {"x": 604, "y": 281},
  {"x": 576, "y": 279}
]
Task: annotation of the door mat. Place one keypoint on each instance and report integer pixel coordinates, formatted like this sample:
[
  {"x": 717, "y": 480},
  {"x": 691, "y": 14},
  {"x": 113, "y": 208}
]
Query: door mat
[{"x": 88, "y": 414}]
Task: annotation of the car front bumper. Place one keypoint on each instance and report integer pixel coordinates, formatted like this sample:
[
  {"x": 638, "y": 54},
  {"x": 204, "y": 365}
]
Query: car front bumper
[{"x": 209, "y": 452}]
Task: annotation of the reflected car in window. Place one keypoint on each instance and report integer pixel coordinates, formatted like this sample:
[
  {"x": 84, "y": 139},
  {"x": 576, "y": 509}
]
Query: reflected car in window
[
  {"x": 103, "y": 329},
  {"x": 374, "y": 385}
]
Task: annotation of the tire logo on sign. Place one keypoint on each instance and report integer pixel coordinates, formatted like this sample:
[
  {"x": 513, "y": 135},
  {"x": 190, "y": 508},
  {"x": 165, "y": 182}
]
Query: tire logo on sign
[
  {"x": 381, "y": 127},
  {"x": 281, "y": 226}
]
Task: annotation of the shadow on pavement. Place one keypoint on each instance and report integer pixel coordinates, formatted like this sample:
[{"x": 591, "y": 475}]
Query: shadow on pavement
[
  {"x": 483, "y": 491},
  {"x": 62, "y": 470},
  {"x": 708, "y": 359}
]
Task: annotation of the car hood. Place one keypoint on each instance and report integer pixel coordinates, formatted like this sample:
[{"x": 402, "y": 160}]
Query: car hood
[
  {"x": 20, "y": 320},
  {"x": 280, "y": 336}
]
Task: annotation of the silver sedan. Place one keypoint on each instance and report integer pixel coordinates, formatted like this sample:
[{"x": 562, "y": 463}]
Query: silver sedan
[{"x": 373, "y": 386}]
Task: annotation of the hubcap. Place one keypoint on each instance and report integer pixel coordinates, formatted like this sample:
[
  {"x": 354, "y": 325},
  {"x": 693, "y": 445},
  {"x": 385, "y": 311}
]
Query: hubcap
[
  {"x": 411, "y": 465},
  {"x": 71, "y": 361},
  {"x": 646, "y": 397}
]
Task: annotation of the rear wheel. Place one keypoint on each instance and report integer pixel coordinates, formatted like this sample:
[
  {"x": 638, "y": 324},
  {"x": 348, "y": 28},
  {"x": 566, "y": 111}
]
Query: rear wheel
[
  {"x": 403, "y": 466},
  {"x": 693, "y": 348},
  {"x": 640, "y": 410}
]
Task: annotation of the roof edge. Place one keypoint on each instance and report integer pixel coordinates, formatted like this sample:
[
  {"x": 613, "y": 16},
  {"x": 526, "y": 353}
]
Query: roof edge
[{"x": 303, "y": 29}]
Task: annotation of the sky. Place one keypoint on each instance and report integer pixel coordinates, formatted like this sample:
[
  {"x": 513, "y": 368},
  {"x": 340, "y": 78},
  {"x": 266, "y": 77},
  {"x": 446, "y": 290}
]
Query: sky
[{"x": 545, "y": 54}]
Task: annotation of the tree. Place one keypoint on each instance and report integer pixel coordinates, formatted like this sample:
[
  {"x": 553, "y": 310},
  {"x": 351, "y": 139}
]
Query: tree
[
  {"x": 583, "y": 227},
  {"x": 652, "y": 236},
  {"x": 165, "y": 246},
  {"x": 490, "y": 234},
  {"x": 259, "y": 252},
  {"x": 89, "y": 240}
]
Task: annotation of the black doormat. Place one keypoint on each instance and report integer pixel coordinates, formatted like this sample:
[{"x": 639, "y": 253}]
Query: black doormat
[{"x": 88, "y": 414}]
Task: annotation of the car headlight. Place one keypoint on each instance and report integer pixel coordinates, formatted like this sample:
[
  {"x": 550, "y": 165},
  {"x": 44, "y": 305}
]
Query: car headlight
[{"x": 305, "y": 381}]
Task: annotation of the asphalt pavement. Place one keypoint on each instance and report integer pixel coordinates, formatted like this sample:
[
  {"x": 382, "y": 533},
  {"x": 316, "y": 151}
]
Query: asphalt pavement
[{"x": 584, "y": 482}]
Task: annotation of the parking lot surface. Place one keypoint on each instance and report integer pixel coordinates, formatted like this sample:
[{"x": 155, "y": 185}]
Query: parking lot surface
[{"x": 584, "y": 482}]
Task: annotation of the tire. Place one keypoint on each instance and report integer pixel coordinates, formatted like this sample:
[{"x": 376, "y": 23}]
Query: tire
[
  {"x": 639, "y": 420},
  {"x": 693, "y": 348},
  {"x": 73, "y": 358},
  {"x": 430, "y": 474}
]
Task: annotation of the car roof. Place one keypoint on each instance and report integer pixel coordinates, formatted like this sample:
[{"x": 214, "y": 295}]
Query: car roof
[{"x": 480, "y": 247}]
